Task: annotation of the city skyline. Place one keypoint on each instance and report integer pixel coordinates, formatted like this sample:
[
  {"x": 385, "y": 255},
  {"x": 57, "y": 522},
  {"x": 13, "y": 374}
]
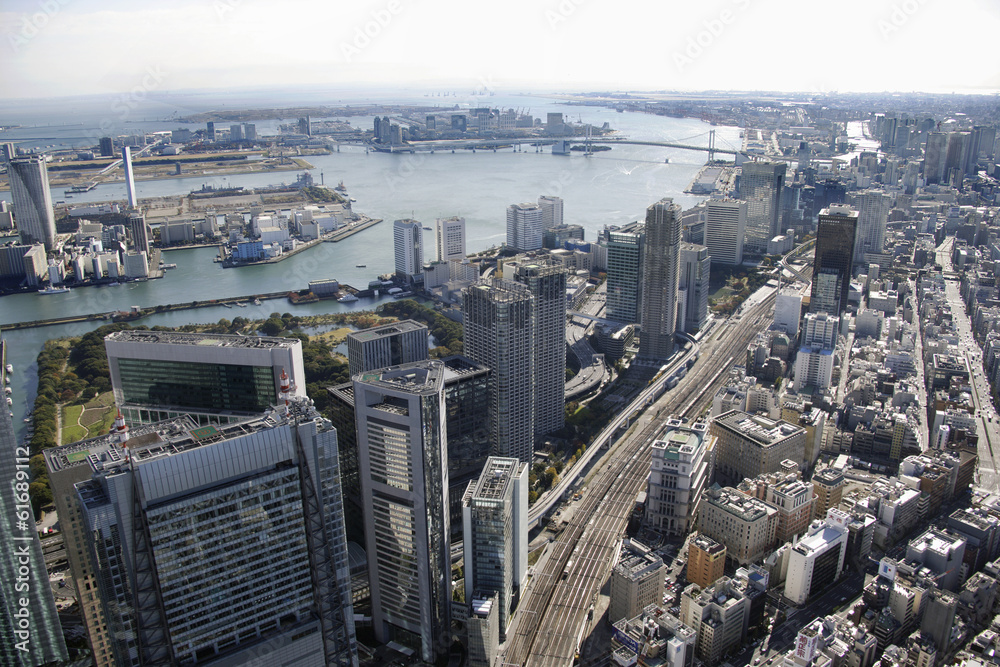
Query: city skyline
[{"x": 384, "y": 43}]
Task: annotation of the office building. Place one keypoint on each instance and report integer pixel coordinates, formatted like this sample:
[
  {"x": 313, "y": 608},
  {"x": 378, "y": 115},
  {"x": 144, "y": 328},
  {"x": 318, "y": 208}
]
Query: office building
[
  {"x": 552, "y": 211},
  {"x": 107, "y": 147},
  {"x": 817, "y": 560},
  {"x": 833, "y": 259},
  {"x": 546, "y": 281},
  {"x": 828, "y": 487},
  {"x": 449, "y": 235},
  {"x": 495, "y": 534},
  {"x": 214, "y": 378},
  {"x": 679, "y": 471},
  {"x": 624, "y": 269},
  {"x": 32, "y": 199},
  {"x": 499, "y": 321},
  {"x": 556, "y": 238},
  {"x": 133, "y": 201},
  {"x": 250, "y": 131},
  {"x": 408, "y": 242},
  {"x": 706, "y": 560},
  {"x": 939, "y": 617},
  {"x": 820, "y": 330},
  {"x": 483, "y": 630},
  {"x": 525, "y": 224},
  {"x": 719, "y": 616},
  {"x": 660, "y": 276},
  {"x": 210, "y": 131},
  {"x": 873, "y": 214},
  {"x": 813, "y": 368},
  {"x": 139, "y": 232},
  {"x": 636, "y": 581},
  {"x": 402, "y": 451},
  {"x": 169, "y": 511},
  {"x": 943, "y": 551},
  {"x": 725, "y": 230},
  {"x": 696, "y": 265},
  {"x": 30, "y": 632},
  {"x": 386, "y": 345},
  {"x": 750, "y": 445},
  {"x": 745, "y": 525},
  {"x": 788, "y": 494},
  {"x": 236, "y": 132},
  {"x": 787, "y": 312},
  {"x": 761, "y": 185}
]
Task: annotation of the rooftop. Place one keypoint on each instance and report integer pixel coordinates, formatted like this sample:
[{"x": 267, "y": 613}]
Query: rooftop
[
  {"x": 760, "y": 429},
  {"x": 385, "y": 330},
  {"x": 206, "y": 340}
]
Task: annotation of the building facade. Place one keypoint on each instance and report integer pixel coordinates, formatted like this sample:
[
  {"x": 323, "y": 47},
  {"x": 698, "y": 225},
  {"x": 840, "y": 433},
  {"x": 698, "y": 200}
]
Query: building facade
[
  {"x": 636, "y": 581},
  {"x": 624, "y": 292},
  {"x": 660, "y": 276},
  {"x": 833, "y": 260},
  {"x": 449, "y": 235},
  {"x": 706, "y": 561},
  {"x": 408, "y": 245},
  {"x": 679, "y": 471},
  {"x": 695, "y": 273},
  {"x": 725, "y": 230},
  {"x": 817, "y": 560},
  {"x": 751, "y": 445},
  {"x": 761, "y": 186},
  {"x": 32, "y": 199},
  {"x": 873, "y": 213},
  {"x": 386, "y": 345},
  {"x": 745, "y": 525},
  {"x": 525, "y": 225}
]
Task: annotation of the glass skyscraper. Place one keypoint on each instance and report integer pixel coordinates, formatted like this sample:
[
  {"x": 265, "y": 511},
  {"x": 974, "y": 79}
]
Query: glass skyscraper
[
  {"x": 761, "y": 184},
  {"x": 29, "y": 190},
  {"x": 832, "y": 264},
  {"x": 660, "y": 277}
]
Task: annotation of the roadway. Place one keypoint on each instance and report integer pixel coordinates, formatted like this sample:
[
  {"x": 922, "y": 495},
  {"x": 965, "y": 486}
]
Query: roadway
[{"x": 592, "y": 369}]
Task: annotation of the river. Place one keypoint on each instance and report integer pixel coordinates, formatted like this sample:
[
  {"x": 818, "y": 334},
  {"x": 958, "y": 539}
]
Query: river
[{"x": 612, "y": 187}]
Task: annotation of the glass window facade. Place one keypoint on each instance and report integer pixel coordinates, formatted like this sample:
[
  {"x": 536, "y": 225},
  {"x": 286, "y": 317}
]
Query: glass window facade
[{"x": 215, "y": 387}]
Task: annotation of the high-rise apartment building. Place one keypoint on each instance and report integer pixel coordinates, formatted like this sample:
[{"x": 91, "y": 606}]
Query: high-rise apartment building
[
  {"x": 525, "y": 224},
  {"x": 679, "y": 470},
  {"x": 624, "y": 291},
  {"x": 660, "y": 274},
  {"x": 107, "y": 147},
  {"x": 499, "y": 321},
  {"x": 831, "y": 280},
  {"x": 725, "y": 230},
  {"x": 546, "y": 281},
  {"x": 495, "y": 534},
  {"x": 166, "y": 513},
  {"x": 408, "y": 242},
  {"x": 761, "y": 185},
  {"x": 386, "y": 345},
  {"x": 236, "y": 132},
  {"x": 696, "y": 265},
  {"x": 873, "y": 214},
  {"x": 552, "y": 211},
  {"x": 449, "y": 236},
  {"x": 214, "y": 378},
  {"x": 133, "y": 201},
  {"x": 403, "y": 457},
  {"x": 139, "y": 232},
  {"x": 30, "y": 632},
  {"x": 32, "y": 199},
  {"x": 706, "y": 560}
]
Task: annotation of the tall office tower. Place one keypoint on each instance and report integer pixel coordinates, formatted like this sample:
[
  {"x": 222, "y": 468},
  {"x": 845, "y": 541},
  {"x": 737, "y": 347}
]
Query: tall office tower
[
  {"x": 450, "y": 236},
  {"x": 873, "y": 214},
  {"x": 499, "y": 321},
  {"x": 7, "y": 151},
  {"x": 29, "y": 191},
  {"x": 959, "y": 156},
  {"x": 495, "y": 534},
  {"x": 250, "y": 131},
  {"x": 215, "y": 378},
  {"x": 725, "y": 230},
  {"x": 525, "y": 223},
  {"x": 129, "y": 177},
  {"x": 170, "y": 510},
  {"x": 935, "y": 152},
  {"x": 696, "y": 264},
  {"x": 210, "y": 131},
  {"x": 552, "y": 210},
  {"x": 681, "y": 466},
  {"x": 624, "y": 272},
  {"x": 236, "y": 132},
  {"x": 386, "y": 345},
  {"x": 660, "y": 273},
  {"x": 547, "y": 283},
  {"x": 831, "y": 280},
  {"x": 107, "y": 147},
  {"x": 139, "y": 232},
  {"x": 30, "y": 633},
  {"x": 408, "y": 243},
  {"x": 761, "y": 185},
  {"x": 404, "y": 479}
]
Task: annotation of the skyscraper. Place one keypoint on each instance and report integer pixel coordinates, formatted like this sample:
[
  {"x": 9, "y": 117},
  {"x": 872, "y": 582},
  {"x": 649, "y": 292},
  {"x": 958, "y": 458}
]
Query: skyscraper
[
  {"x": 725, "y": 229},
  {"x": 696, "y": 265},
  {"x": 660, "y": 273},
  {"x": 404, "y": 479},
  {"x": 552, "y": 210},
  {"x": 525, "y": 224},
  {"x": 450, "y": 237},
  {"x": 831, "y": 278},
  {"x": 408, "y": 243},
  {"x": 935, "y": 153},
  {"x": 761, "y": 184},
  {"x": 499, "y": 320},
  {"x": 32, "y": 198},
  {"x": 547, "y": 283},
  {"x": 873, "y": 213},
  {"x": 386, "y": 345},
  {"x": 139, "y": 232},
  {"x": 495, "y": 514},
  {"x": 30, "y": 633},
  {"x": 215, "y": 545},
  {"x": 107, "y": 147},
  {"x": 133, "y": 201},
  {"x": 624, "y": 271}
]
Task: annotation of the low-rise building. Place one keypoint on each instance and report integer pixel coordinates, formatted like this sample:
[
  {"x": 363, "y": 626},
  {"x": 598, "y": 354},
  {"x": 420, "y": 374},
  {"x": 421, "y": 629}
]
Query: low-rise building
[
  {"x": 636, "y": 581},
  {"x": 745, "y": 525},
  {"x": 817, "y": 560}
]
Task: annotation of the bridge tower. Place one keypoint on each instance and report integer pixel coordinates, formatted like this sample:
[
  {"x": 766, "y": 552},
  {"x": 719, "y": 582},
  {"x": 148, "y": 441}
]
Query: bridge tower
[{"x": 711, "y": 145}]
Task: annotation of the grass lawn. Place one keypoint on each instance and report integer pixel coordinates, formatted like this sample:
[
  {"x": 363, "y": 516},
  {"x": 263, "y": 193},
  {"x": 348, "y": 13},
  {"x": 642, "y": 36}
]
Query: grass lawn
[
  {"x": 71, "y": 414},
  {"x": 335, "y": 337},
  {"x": 92, "y": 416},
  {"x": 73, "y": 433}
]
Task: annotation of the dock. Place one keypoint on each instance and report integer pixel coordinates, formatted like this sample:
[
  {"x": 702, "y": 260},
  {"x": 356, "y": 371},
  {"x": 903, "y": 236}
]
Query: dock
[{"x": 360, "y": 226}]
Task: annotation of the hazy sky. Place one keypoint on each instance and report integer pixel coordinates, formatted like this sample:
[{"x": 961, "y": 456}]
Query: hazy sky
[{"x": 71, "y": 47}]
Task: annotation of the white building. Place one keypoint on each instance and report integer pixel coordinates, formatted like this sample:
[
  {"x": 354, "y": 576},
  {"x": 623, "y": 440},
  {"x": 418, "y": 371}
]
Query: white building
[
  {"x": 813, "y": 368},
  {"x": 820, "y": 330},
  {"x": 449, "y": 237},
  {"x": 135, "y": 265},
  {"x": 552, "y": 211},
  {"x": 407, "y": 238},
  {"x": 725, "y": 228},
  {"x": 787, "y": 312},
  {"x": 680, "y": 467},
  {"x": 525, "y": 226},
  {"x": 818, "y": 558}
]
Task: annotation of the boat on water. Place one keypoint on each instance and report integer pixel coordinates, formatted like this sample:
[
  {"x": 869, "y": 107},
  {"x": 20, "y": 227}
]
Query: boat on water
[
  {"x": 347, "y": 298},
  {"x": 10, "y": 368},
  {"x": 360, "y": 266},
  {"x": 241, "y": 304},
  {"x": 54, "y": 290},
  {"x": 227, "y": 305},
  {"x": 430, "y": 229},
  {"x": 168, "y": 266},
  {"x": 256, "y": 302}
]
